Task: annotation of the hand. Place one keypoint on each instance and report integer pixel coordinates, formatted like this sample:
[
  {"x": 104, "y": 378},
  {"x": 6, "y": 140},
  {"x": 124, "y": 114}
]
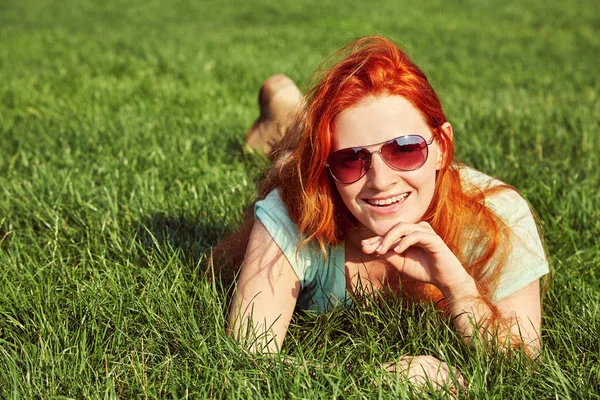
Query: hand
[
  {"x": 420, "y": 253},
  {"x": 422, "y": 370}
]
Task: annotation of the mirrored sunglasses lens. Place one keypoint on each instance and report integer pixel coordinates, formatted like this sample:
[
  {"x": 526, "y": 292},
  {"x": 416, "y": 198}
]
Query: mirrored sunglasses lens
[
  {"x": 348, "y": 165},
  {"x": 406, "y": 153}
]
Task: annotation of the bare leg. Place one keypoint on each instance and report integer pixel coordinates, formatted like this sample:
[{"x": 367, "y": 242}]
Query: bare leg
[{"x": 278, "y": 99}]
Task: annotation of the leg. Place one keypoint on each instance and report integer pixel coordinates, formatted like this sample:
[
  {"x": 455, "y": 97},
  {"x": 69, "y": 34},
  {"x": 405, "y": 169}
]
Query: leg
[{"x": 278, "y": 98}]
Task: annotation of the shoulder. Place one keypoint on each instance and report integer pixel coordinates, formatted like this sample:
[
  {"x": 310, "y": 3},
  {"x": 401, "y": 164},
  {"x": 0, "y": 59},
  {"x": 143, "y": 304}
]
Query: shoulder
[
  {"x": 527, "y": 260},
  {"x": 503, "y": 199},
  {"x": 470, "y": 177},
  {"x": 272, "y": 213}
]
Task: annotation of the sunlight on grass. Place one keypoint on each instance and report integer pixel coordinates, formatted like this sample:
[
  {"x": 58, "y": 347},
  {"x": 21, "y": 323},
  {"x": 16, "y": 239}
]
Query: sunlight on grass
[{"x": 120, "y": 166}]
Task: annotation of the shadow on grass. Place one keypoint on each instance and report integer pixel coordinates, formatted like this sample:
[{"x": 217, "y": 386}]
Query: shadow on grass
[{"x": 191, "y": 242}]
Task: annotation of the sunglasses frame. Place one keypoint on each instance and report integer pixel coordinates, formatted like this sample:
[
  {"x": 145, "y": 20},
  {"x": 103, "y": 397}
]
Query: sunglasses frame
[{"x": 385, "y": 160}]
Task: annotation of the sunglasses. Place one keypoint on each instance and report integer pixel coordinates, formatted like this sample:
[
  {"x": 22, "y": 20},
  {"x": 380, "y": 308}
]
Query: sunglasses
[{"x": 404, "y": 153}]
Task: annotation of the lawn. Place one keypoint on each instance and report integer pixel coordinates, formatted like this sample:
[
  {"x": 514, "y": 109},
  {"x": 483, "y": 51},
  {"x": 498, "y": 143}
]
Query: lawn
[{"x": 121, "y": 125}]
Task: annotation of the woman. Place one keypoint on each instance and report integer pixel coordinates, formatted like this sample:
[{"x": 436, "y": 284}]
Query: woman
[{"x": 364, "y": 195}]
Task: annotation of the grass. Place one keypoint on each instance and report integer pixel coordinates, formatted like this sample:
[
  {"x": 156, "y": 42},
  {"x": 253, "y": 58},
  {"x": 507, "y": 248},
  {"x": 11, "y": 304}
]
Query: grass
[{"x": 120, "y": 130}]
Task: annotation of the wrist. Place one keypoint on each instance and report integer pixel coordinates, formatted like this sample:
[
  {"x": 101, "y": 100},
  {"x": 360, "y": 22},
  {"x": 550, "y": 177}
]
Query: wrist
[{"x": 463, "y": 286}]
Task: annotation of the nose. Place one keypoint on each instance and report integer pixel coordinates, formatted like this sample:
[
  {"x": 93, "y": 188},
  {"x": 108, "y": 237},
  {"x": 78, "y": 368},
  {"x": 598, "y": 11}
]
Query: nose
[{"x": 380, "y": 176}]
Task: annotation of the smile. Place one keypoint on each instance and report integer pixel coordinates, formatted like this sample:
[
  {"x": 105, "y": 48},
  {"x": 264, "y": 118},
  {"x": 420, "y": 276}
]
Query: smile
[{"x": 387, "y": 202}]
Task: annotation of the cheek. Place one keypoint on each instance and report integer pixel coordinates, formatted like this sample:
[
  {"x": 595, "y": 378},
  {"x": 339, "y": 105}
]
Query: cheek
[
  {"x": 427, "y": 189},
  {"x": 347, "y": 193}
]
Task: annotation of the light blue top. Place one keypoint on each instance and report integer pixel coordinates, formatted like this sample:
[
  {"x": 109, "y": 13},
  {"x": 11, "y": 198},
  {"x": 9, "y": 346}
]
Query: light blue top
[{"x": 323, "y": 282}]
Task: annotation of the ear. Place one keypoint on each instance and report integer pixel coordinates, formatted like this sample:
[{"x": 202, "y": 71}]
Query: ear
[{"x": 444, "y": 145}]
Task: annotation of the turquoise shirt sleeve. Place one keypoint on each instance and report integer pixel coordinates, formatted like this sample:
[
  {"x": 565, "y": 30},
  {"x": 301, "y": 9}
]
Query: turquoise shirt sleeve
[
  {"x": 322, "y": 281},
  {"x": 272, "y": 213}
]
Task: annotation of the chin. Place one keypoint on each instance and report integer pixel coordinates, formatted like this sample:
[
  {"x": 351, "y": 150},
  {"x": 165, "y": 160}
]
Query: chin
[{"x": 381, "y": 229}]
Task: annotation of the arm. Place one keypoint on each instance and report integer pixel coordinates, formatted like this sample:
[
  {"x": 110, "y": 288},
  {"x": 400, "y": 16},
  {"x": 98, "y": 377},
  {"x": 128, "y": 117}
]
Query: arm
[
  {"x": 516, "y": 319},
  {"x": 417, "y": 251},
  {"x": 266, "y": 294},
  {"x": 517, "y": 316}
]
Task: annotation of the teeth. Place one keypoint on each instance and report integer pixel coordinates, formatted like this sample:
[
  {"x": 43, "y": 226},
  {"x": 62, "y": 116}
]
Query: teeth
[{"x": 388, "y": 201}]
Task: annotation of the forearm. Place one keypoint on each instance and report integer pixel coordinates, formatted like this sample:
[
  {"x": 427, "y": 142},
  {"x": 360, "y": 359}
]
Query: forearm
[
  {"x": 475, "y": 317},
  {"x": 253, "y": 336},
  {"x": 265, "y": 296},
  {"x": 257, "y": 327},
  {"x": 470, "y": 313}
]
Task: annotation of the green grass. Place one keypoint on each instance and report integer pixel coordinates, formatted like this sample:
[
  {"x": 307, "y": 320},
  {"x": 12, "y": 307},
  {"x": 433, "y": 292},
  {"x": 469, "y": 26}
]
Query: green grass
[{"x": 120, "y": 130}]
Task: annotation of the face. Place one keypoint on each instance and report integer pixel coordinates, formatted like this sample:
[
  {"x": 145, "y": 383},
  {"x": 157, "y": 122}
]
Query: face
[{"x": 385, "y": 196}]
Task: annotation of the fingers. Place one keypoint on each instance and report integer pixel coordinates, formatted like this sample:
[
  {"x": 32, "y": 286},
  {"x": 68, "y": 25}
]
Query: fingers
[
  {"x": 370, "y": 245},
  {"x": 425, "y": 370},
  {"x": 415, "y": 238},
  {"x": 382, "y": 244}
]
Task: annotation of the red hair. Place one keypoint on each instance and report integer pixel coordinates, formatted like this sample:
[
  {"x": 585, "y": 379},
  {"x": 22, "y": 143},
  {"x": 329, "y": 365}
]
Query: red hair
[{"x": 374, "y": 66}]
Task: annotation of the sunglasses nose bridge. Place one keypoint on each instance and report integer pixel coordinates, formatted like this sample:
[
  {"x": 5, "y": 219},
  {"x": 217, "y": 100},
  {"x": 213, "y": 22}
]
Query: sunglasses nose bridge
[
  {"x": 370, "y": 160},
  {"x": 383, "y": 158}
]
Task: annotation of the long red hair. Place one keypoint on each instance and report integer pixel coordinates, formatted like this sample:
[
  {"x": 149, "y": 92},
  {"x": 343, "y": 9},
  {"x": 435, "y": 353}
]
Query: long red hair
[{"x": 375, "y": 66}]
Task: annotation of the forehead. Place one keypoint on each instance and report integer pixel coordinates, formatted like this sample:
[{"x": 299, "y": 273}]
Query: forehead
[{"x": 375, "y": 120}]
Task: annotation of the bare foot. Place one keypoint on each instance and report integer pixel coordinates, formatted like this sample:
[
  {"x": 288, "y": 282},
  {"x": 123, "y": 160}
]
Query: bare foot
[{"x": 278, "y": 98}]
